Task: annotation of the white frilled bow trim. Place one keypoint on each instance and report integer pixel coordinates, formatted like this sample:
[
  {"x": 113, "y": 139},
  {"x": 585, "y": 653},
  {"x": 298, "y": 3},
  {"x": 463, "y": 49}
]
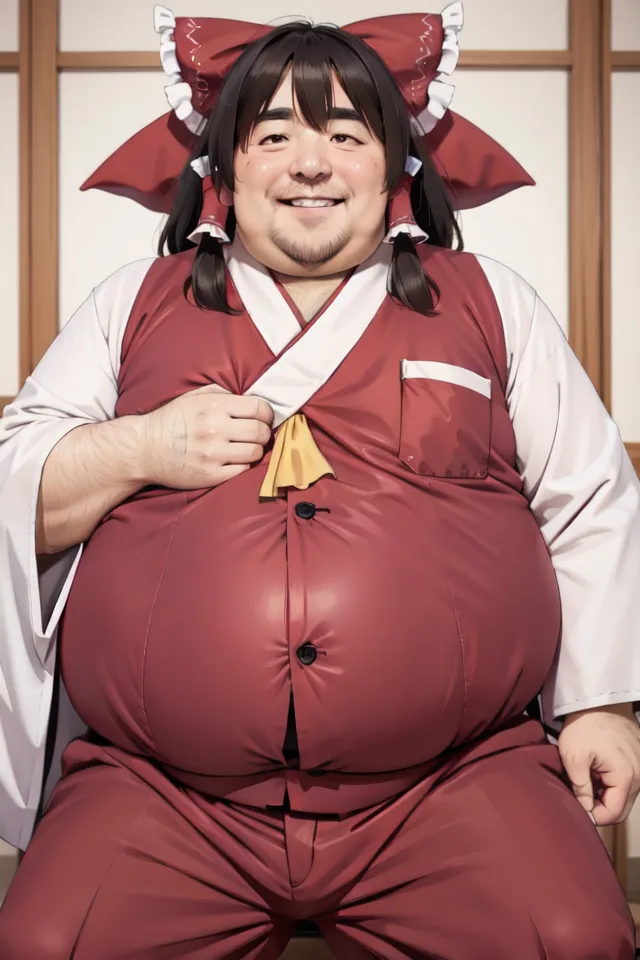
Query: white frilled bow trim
[
  {"x": 409, "y": 226},
  {"x": 419, "y": 236},
  {"x": 209, "y": 230},
  {"x": 202, "y": 166},
  {"x": 177, "y": 91},
  {"x": 440, "y": 92}
]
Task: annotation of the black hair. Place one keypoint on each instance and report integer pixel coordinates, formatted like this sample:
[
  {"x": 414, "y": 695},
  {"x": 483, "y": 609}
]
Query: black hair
[{"x": 313, "y": 53}]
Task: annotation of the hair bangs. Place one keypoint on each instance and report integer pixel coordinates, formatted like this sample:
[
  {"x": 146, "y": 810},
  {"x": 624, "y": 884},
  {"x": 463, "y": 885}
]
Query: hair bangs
[
  {"x": 314, "y": 55},
  {"x": 314, "y": 64}
]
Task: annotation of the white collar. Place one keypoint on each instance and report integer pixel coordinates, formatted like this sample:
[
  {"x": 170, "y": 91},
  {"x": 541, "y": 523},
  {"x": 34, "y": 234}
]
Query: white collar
[{"x": 298, "y": 373}]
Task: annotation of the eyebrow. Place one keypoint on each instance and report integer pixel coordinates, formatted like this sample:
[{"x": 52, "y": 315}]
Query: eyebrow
[{"x": 286, "y": 113}]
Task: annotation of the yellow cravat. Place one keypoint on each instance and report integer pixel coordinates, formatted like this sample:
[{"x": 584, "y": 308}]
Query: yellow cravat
[{"x": 295, "y": 459}]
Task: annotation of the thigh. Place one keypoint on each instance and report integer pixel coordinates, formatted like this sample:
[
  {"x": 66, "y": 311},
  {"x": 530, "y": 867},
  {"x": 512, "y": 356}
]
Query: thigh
[
  {"x": 115, "y": 871},
  {"x": 498, "y": 861}
]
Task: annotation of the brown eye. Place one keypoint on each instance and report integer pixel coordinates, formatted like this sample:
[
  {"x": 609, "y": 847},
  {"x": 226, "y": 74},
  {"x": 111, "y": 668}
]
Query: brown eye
[{"x": 346, "y": 136}]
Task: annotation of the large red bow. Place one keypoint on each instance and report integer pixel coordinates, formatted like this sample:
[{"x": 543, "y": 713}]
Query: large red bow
[{"x": 420, "y": 50}]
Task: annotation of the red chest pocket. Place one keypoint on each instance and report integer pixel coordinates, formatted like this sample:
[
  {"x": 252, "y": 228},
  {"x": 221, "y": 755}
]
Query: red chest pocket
[{"x": 445, "y": 428}]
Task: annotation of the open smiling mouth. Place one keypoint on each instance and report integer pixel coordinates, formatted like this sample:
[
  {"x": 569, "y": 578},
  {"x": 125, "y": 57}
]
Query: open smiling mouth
[{"x": 308, "y": 203}]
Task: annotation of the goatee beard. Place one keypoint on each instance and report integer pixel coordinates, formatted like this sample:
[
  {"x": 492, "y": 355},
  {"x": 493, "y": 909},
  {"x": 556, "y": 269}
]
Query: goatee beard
[{"x": 311, "y": 255}]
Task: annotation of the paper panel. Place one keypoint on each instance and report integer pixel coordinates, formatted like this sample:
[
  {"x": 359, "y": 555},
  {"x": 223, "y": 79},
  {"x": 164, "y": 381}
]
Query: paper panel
[
  {"x": 489, "y": 24},
  {"x": 625, "y": 216},
  {"x": 100, "y": 232},
  {"x": 9, "y": 236},
  {"x": 9, "y": 26},
  {"x": 625, "y": 24},
  {"x": 528, "y": 229}
]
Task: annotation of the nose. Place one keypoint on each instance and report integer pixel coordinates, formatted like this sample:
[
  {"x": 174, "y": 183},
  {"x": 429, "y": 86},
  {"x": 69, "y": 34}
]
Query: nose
[{"x": 310, "y": 161}]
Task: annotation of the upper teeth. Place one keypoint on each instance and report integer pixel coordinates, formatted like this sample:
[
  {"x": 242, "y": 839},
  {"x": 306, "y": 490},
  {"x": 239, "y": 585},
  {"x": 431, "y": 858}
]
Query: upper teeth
[{"x": 313, "y": 203}]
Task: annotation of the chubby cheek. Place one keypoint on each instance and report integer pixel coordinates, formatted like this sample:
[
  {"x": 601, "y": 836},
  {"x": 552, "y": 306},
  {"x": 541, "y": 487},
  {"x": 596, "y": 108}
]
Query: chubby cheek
[
  {"x": 255, "y": 178},
  {"x": 364, "y": 178}
]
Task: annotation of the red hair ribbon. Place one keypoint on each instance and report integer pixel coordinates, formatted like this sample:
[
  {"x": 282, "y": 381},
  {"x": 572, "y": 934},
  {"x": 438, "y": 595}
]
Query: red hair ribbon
[
  {"x": 401, "y": 216},
  {"x": 421, "y": 51},
  {"x": 214, "y": 213}
]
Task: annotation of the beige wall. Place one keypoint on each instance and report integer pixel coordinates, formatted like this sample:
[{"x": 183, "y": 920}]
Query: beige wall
[
  {"x": 9, "y": 26},
  {"x": 625, "y": 216},
  {"x": 9, "y": 204},
  {"x": 9, "y": 234},
  {"x": 489, "y": 24}
]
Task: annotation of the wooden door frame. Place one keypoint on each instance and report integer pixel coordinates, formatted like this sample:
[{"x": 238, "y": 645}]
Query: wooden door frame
[{"x": 589, "y": 62}]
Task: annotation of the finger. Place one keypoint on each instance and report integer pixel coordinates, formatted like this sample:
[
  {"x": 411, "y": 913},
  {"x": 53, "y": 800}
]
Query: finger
[
  {"x": 245, "y": 408},
  {"x": 614, "y": 800},
  {"x": 579, "y": 770},
  {"x": 603, "y": 816},
  {"x": 600, "y": 816},
  {"x": 238, "y": 430},
  {"x": 254, "y": 408},
  {"x": 242, "y": 452}
]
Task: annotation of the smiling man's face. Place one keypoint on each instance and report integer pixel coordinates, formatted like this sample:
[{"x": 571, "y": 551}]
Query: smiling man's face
[{"x": 310, "y": 203}]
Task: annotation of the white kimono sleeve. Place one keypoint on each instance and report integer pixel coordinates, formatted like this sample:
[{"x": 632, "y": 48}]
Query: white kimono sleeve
[
  {"x": 585, "y": 495},
  {"x": 74, "y": 384}
]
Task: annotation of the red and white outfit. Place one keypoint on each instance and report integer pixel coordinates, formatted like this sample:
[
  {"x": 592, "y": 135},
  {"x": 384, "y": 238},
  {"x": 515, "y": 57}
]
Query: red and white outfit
[{"x": 480, "y": 542}]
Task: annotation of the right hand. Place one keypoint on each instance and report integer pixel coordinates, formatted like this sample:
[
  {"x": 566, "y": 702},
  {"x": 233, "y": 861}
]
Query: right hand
[{"x": 204, "y": 437}]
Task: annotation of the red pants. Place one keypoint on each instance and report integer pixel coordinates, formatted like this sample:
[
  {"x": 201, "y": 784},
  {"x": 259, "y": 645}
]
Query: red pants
[{"x": 496, "y": 861}]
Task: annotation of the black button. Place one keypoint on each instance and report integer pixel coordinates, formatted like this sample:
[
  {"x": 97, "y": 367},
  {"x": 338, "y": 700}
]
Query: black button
[
  {"x": 305, "y": 510},
  {"x": 306, "y": 654}
]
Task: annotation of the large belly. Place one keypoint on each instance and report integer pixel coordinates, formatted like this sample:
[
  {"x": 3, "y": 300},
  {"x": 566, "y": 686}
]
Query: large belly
[
  {"x": 173, "y": 641},
  {"x": 182, "y": 631}
]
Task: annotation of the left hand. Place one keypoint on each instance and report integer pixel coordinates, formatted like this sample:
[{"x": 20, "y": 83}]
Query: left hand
[{"x": 603, "y": 743}]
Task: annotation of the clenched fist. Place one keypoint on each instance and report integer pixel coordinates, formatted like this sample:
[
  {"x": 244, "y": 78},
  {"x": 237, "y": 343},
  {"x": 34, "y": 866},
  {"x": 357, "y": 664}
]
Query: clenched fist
[{"x": 204, "y": 437}]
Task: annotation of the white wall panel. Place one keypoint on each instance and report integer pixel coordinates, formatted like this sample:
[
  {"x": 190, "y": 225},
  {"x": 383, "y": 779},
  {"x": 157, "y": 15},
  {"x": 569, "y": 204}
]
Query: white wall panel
[
  {"x": 490, "y": 24},
  {"x": 625, "y": 24},
  {"x": 100, "y": 232},
  {"x": 9, "y": 33},
  {"x": 527, "y": 229},
  {"x": 625, "y": 254},
  {"x": 9, "y": 236}
]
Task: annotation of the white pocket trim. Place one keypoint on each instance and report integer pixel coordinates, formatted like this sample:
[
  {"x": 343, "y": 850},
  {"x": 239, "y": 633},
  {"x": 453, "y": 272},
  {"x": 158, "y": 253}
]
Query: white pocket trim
[{"x": 449, "y": 373}]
